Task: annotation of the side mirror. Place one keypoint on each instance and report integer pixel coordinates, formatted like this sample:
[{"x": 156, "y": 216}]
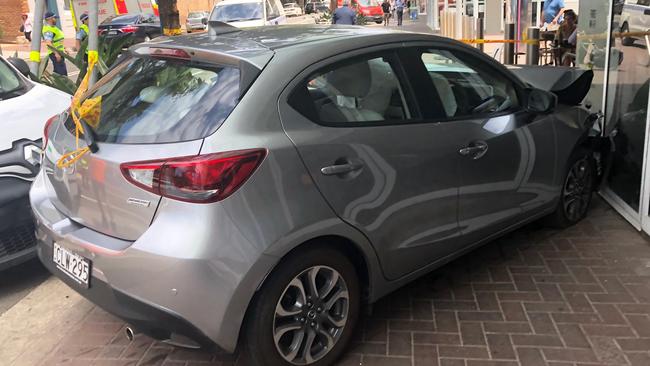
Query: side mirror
[
  {"x": 540, "y": 101},
  {"x": 204, "y": 20},
  {"x": 20, "y": 65}
]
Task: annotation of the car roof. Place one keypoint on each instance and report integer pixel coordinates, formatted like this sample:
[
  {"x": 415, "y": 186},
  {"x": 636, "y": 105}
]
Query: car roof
[{"x": 257, "y": 45}]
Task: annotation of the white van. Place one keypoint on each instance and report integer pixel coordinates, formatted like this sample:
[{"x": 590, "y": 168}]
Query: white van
[
  {"x": 249, "y": 13},
  {"x": 635, "y": 18}
]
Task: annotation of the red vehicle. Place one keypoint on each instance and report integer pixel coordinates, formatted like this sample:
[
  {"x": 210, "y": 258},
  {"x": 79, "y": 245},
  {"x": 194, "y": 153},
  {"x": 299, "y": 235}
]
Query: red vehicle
[{"x": 370, "y": 9}]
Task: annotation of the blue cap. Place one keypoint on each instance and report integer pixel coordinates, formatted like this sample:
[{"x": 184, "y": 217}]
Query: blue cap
[
  {"x": 49, "y": 14},
  {"x": 83, "y": 17}
]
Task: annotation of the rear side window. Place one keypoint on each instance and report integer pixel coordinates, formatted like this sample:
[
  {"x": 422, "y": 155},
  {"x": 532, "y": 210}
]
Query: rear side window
[{"x": 147, "y": 100}]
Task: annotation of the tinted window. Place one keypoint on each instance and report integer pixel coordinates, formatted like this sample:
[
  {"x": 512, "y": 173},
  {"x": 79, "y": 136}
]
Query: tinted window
[
  {"x": 148, "y": 100},
  {"x": 465, "y": 89},
  {"x": 125, "y": 19},
  {"x": 364, "y": 90},
  {"x": 238, "y": 12}
]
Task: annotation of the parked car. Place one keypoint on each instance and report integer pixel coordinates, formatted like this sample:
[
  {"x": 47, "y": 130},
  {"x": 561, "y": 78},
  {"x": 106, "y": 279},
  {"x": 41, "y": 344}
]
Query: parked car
[
  {"x": 196, "y": 20},
  {"x": 142, "y": 27},
  {"x": 24, "y": 108},
  {"x": 635, "y": 18},
  {"x": 370, "y": 9},
  {"x": 249, "y": 13},
  {"x": 292, "y": 10},
  {"x": 260, "y": 189},
  {"x": 319, "y": 7}
]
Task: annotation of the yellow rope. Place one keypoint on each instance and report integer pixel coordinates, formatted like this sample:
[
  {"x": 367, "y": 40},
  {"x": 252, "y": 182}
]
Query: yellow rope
[{"x": 70, "y": 158}]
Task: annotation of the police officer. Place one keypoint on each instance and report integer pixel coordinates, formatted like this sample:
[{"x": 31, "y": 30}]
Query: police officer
[
  {"x": 82, "y": 33},
  {"x": 53, "y": 36}
]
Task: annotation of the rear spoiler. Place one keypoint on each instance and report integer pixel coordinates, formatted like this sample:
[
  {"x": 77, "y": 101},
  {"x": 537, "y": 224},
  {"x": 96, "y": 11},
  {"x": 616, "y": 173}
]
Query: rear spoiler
[{"x": 571, "y": 85}]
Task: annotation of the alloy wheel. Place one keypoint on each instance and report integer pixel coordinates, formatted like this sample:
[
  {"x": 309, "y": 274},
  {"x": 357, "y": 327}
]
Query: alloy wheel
[
  {"x": 576, "y": 194},
  {"x": 311, "y": 315}
]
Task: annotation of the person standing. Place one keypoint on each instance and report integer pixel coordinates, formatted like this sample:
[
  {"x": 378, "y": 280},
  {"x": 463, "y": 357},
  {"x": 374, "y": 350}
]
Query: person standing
[
  {"x": 82, "y": 33},
  {"x": 552, "y": 12},
  {"x": 53, "y": 36},
  {"x": 385, "y": 7},
  {"x": 344, "y": 15},
  {"x": 399, "y": 9},
  {"x": 413, "y": 9},
  {"x": 26, "y": 27}
]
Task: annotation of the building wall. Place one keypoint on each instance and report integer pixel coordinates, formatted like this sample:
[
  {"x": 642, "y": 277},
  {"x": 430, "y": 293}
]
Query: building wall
[
  {"x": 186, "y": 6},
  {"x": 10, "y": 11}
]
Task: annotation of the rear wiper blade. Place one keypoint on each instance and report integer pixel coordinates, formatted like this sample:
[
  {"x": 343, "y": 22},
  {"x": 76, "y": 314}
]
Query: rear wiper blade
[{"x": 89, "y": 136}]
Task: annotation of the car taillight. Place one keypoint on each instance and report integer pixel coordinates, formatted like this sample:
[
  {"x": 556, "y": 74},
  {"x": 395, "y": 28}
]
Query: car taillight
[
  {"x": 129, "y": 29},
  {"x": 46, "y": 129},
  {"x": 198, "y": 179}
]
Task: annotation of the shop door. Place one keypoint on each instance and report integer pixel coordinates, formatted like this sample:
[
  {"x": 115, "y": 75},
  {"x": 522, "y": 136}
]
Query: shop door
[{"x": 626, "y": 112}]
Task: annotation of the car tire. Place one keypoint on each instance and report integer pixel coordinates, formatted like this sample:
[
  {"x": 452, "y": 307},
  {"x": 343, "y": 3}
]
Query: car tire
[
  {"x": 626, "y": 41},
  {"x": 577, "y": 190},
  {"x": 327, "y": 320},
  {"x": 378, "y": 21}
]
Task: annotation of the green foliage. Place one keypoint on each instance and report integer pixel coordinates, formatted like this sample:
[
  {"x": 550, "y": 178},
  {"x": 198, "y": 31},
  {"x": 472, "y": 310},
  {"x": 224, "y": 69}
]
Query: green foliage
[{"x": 109, "y": 51}]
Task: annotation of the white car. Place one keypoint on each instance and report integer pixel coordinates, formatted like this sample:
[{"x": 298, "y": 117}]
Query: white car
[
  {"x": 249, "y": 13},
  {"x": 635, "y": 18},
  {"x": 292, "y": 10},
  {"x": 25, "y": 106}
]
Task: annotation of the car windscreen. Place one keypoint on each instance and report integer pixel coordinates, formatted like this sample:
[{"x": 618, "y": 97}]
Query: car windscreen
[
  {"x": 147, "y": 100},
  {"x": 238, "y": 12},
  {"x": 10, "y": 82}
]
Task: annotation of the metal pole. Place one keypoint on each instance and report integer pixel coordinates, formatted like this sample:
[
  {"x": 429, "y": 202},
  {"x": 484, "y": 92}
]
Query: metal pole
[
  {"x": 436, "y": 15},
  {"x": 475, "y": 7},
  {"x": 37, "y": 30},
  {"x": 93, "y": 36},
  {"x": 480, "y": 32},
  {"x": 459, "y": 19},
  {"x": 509, "y": 48},
  {"x": 532, "y": 48}
]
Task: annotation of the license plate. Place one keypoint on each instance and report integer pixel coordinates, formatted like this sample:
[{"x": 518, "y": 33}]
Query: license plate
[
  {"x": 73, "y": 265},
  {"x": 112, "y": 33}
]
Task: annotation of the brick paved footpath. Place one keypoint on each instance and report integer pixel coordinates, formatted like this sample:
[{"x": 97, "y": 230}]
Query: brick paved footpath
[{"x": 535, "y": 297}]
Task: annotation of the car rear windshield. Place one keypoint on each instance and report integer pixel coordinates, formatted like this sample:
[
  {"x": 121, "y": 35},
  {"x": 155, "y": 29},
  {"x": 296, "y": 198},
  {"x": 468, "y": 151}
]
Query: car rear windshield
[
  {"x": 147, "y": 100},
  {"x": 195, "y": 15},
  {"x": 125, "y": 19},
  {"x": 238, "y": 12}
]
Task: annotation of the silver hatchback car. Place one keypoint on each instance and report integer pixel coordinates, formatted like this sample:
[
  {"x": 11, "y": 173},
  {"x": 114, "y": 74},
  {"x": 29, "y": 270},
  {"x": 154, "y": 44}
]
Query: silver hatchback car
[{"x": 256, "y": 187}]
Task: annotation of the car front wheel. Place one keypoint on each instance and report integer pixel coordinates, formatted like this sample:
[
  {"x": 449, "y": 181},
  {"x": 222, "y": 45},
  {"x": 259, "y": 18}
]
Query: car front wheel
[
  {"x": 577, "y": 190},
  {"x": 306, "y": 311}
]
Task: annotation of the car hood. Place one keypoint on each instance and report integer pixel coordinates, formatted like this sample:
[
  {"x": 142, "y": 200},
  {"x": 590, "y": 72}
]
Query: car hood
[
  {"x": 24, "y": 116},
  {"x": 571, "y": 85}
]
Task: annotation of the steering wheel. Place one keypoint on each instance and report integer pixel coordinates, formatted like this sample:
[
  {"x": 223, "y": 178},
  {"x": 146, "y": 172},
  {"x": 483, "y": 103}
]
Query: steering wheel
[{"x": 489, "y": 104}]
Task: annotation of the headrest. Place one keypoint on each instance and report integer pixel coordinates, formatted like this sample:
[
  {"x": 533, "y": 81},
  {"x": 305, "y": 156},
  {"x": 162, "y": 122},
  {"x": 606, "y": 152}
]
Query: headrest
[{"x": 351, "y": 80}]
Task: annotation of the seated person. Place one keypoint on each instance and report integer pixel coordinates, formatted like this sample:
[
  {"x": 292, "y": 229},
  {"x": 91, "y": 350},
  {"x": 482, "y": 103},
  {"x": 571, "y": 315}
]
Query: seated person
[{"x": 566, "y": 43}]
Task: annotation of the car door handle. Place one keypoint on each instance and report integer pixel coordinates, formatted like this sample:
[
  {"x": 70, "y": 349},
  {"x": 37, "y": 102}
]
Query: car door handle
[
  {"x": 341, "y": 169},
  {"x": 475, "y": 150}
]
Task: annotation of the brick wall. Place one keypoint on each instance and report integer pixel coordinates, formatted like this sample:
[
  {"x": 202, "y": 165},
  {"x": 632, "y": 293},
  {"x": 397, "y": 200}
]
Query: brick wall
[{"x": 10, "y": 11}]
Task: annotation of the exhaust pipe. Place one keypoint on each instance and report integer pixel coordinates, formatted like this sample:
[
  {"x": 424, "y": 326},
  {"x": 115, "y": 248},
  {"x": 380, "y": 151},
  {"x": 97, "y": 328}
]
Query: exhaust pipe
[{"x": 130, "y": 333}]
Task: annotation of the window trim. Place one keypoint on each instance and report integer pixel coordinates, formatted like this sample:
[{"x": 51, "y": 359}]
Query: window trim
[
  {"x": 421, "y": 47},
  {"x": 385, "y": 51}
]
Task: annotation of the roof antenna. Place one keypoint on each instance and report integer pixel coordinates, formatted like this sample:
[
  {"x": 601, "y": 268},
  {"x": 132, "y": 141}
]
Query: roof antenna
[{"x": 216, "y": 28}]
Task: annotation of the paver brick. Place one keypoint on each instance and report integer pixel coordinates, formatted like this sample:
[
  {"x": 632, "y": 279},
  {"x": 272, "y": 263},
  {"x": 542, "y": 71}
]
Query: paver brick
[{"x": 536, "y": 297}]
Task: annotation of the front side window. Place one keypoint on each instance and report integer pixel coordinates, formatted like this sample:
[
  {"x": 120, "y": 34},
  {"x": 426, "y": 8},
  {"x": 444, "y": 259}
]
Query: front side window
[
  {"x": 238, "y": 12},
  {"x": 363, "y": 90},
  {"x": 272, "y": 10},
  {"x": 10, "y": 83},
  {"x": 465, "y": 88}
]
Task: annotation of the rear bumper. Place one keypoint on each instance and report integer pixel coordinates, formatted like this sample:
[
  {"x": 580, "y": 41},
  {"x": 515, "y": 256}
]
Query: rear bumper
[
  {"x": 170, "y": 280},
  {"x": 151, "y": 320},
  {"x": 374, "y": 18}
]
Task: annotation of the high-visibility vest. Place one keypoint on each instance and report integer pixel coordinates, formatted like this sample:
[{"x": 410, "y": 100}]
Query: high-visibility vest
[
  {"x": 85, "y": 29},
  {"x": 57, "y": 40}
]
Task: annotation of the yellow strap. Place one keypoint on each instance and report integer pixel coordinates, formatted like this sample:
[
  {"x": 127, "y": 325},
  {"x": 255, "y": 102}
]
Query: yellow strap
[
  {"x": 172, "y": 31},
  {"x": 35, "y": 56},
  {"x": 70, "y": 158}
]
